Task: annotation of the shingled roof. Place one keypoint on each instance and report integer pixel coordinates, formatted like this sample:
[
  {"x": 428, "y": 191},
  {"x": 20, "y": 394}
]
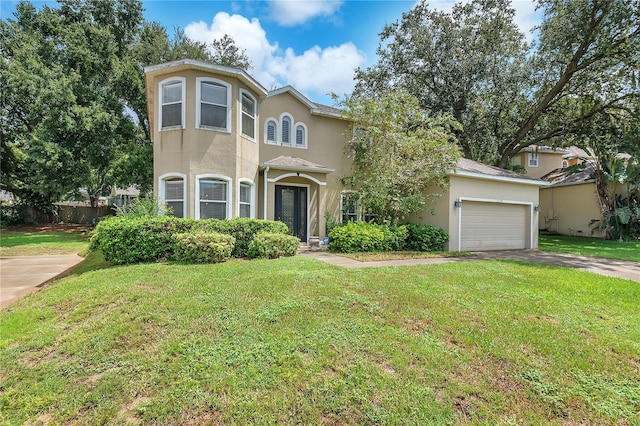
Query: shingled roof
[
  {"x": 472, "y": 168},
  {"x": 294, "y": 163}
]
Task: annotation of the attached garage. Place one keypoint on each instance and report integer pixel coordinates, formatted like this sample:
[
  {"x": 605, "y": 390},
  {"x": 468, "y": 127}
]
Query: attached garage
[
  {"x": 486, "y": 208},
  {"x": 493, "y": 226}
]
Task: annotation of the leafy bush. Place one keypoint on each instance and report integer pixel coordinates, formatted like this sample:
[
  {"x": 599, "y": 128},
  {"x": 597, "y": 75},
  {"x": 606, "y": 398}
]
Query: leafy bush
[
  {"x": 425, "y": 238},
  {"x": 356, "y": 237},
  {"x": 11, "y": 214},
  {"x": 242, "y": 229},
  {"x": 271, "y": 246},
  {"x": 125, "y": 240},
  {"x": 142, "y": 207},
  {"x": 203, "y": 247}
]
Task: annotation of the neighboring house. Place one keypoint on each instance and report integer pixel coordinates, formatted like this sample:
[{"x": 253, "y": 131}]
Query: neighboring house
[{"x": 226, "y": 147}]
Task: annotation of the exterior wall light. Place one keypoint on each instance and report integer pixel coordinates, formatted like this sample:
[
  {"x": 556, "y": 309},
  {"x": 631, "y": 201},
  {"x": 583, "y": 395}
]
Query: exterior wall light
[
  {"x": 536, "y": 208},
  {"x": 457, "y": 203}
]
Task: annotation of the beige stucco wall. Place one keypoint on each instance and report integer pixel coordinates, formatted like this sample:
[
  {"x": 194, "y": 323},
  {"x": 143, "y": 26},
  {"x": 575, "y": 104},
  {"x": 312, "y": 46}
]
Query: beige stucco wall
[
  {"x": 568, "y": 209},
  {"x": 547, "y": 162},
  {"x": 192, "y": 152}
]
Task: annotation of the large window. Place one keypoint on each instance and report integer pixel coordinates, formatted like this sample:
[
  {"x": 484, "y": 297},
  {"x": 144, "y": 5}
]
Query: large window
[
  {"x": 246, "y": 190},
  {"x": 349, "y": 206},
  {"x": 172, "y": 103},
  {"x": 248, "y": 115},
  {"x": 213, "y": 104},
  {"x": 173, "y": 196},
  {"x": 212, "y": 198}
]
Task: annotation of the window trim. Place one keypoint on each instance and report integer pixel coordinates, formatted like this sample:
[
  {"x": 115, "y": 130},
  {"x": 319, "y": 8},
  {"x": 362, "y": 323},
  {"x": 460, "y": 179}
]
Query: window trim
[
  {"x": 213, "y": 176},
  {"x": 291, "y": 128},
  {"x": 252, "y": 191},
  {"x": 275, "y": 141},
  {"x": 162, "y": 189},
  {"x": 532, "y": 156},
  {"x": 242, "y": 113},
  {"x": 358, "y": 209},
  {"x": 305, "y": 137},
  {"x": 161, "y": 84},
  {"x": 199, "y": 81}
]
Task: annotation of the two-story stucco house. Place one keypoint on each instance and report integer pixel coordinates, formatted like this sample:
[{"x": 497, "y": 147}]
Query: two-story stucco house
[{"x": 226, "y": 147}]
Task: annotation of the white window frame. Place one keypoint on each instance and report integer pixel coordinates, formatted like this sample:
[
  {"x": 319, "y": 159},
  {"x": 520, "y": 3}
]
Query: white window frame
[
  {"x": 162, "y": 187},
  {"x": 291, "y": 129},
  {"x": 242, "y": 113},
  {"x": 252, "y": 192},
  {"x": 213, "y": 176},
  {"x": 304, "y": 138},
  {"x": 358, "y": 207},
  {"x": 532, "y": 159},
  {"x": 199, "y": 81},
  {"x": 266, "y": 131},
  {"x": 161, "y": 84}
]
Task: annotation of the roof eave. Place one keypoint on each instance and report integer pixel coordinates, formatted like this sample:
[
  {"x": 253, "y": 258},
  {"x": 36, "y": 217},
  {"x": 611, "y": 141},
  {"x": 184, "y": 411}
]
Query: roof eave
[
  {"x": 476, "y": 175},
  {"x": 299, "y": 168}
]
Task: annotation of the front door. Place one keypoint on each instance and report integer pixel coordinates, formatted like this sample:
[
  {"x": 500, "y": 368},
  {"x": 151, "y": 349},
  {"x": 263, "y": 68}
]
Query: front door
[{"x": 291, "y": 208}]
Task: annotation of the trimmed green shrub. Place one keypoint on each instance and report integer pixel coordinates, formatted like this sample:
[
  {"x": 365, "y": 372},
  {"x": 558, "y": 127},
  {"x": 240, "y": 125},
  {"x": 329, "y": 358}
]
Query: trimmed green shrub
[
  {"x": 425, "y": 238},
  {"x": 357, "y": 237},
  {"x": 203, "y": 247},
  {"x": 125, "y": 240},
  {"x": 271, "y": 246},
  {"x": 242, "y": 229}
]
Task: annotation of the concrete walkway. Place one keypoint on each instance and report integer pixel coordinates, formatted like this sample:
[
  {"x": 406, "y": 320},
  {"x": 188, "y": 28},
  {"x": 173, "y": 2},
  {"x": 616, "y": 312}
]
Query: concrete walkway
[
  {"x": 20, "y": 275},
  {"x": 614, "y": 268}
]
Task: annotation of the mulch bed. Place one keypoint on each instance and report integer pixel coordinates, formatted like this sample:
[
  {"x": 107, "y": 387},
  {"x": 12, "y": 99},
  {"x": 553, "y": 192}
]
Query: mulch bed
[{"x": 53, "y": 227}]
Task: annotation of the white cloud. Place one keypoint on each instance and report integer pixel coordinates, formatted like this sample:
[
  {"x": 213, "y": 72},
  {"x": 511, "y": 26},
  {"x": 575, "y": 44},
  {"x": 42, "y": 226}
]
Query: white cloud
[
  {"x": 295, "y": 12},
  {"x": 314, "y": 72}
]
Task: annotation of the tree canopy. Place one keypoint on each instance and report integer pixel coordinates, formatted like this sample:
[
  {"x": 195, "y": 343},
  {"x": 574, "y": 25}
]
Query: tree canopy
[
  {"x": 398, "y": 149},
  {"x": 73, "y": 107},
  {"x": 581, "y": 70}
]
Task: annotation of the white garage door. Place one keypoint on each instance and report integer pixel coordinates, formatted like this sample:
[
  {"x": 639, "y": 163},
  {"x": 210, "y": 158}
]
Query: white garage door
[{"x": 493, "y": 226}]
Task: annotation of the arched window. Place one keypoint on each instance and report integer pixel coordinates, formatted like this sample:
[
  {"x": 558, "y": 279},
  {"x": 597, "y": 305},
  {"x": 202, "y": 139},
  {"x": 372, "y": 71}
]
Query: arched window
[
  {"x": 212, "y": 197},
  {"x": 212, "y": 104},
  {"x": 301, "y": 136},
  {"x": 172, "y": 103},
  {"x": 172, "y": 194},
  {"x": 271, "y": 131},
  {"x": 286, "y": 130}
]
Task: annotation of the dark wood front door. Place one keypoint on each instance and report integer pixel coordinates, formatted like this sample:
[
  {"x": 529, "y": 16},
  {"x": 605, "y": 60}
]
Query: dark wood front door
[{"x": 291, "y": 208}]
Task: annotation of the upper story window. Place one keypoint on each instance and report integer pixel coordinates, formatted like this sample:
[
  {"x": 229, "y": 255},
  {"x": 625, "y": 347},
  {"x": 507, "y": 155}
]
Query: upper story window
[
  {"x": 286, "y": 130},
  {"x": 532, "y": 159},
  {"x": 271, "y": 132},
  {"x": 248, "y": 114},
  {"x": 172, "y": 102},
  {"x": 301, "y": 135},
  {"x": 212, "y": 107}
]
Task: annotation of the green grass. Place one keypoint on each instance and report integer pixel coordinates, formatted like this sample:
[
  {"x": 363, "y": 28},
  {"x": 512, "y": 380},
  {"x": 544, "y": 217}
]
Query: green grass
[
  {"x": 401, "y": 255},
  {"x": 591, "y": 247},
  {"x": 19, "y": 243},
  {"x": 297, "y": 341}
]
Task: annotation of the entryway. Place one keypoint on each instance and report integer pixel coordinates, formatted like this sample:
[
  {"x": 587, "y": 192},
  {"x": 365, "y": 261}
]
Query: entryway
[{"x": 291, "y": 208}]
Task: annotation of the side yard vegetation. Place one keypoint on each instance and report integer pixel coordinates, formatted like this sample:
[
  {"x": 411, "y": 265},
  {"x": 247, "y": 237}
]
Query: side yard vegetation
[
  {"x": 596, "y": 247},
  {"x": 296, "y": 341},
  {"x": 125, "y": 240},
  {"x": 360, "y": 237}
]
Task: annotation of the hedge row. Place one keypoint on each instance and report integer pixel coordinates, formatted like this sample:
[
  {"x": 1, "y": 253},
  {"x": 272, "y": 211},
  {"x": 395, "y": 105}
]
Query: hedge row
[
  {"x": 124, "y": 240},
  {"x": 357, "y": 237}
]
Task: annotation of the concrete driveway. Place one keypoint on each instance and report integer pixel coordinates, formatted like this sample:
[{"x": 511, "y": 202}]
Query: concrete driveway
[{"x": 21, "y": 275}]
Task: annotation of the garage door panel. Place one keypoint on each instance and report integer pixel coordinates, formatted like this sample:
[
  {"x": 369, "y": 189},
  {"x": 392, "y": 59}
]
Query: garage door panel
[{"x": 493, "y": 226}]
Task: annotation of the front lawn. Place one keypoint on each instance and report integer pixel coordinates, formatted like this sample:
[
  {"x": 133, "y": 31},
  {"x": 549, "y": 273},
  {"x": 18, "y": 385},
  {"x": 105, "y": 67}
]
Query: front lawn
[
  {"x": 295, "y": 340},
  {"x": 22, "y": 241},
  {"x": 596, "y": 247}
]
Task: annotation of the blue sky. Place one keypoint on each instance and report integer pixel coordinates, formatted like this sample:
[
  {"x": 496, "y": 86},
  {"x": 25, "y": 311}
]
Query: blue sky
[{"x": 313, "y": 45}]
